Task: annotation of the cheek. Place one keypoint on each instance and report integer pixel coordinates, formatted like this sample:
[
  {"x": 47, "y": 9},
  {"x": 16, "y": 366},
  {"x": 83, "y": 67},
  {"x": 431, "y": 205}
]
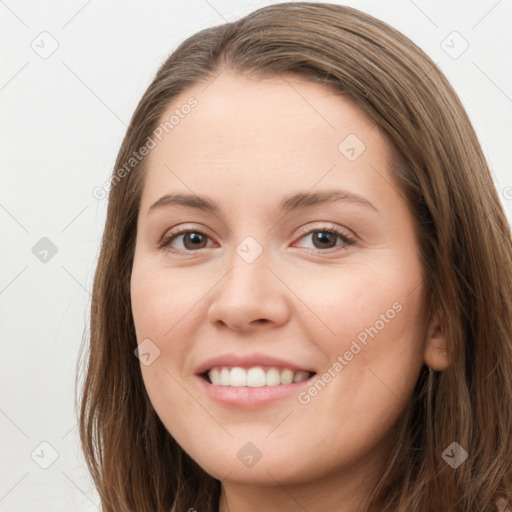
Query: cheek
[
  {"x": 167, "y": 308},
  {"x": 363, "y": 302},
  {"x": 368, "y": 324},
  {"x": 162, "y": 299}
]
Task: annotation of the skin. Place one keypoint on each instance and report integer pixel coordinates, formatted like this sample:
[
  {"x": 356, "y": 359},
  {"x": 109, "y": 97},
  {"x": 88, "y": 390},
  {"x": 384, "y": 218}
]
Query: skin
[{"x": 246, "y": 145}]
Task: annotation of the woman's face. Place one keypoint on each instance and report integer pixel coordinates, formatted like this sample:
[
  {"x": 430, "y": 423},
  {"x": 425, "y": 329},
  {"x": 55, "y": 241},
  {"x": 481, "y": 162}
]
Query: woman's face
[{"x": 273, "y": 246}]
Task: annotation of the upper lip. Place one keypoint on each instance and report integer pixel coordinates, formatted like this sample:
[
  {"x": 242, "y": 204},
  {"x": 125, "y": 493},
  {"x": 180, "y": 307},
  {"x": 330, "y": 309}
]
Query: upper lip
[{"x": 248, "y": 361}]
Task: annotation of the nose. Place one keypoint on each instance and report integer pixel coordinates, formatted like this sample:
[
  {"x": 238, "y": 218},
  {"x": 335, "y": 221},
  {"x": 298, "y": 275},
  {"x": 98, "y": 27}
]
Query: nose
[{"x": 249, "y": 297}]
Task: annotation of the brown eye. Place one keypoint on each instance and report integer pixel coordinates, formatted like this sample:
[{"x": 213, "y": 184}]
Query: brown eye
[
  {"x": 324, "y": 239},
  {"x": 191, "y": 240},
  {"x": 194, "y": 240},
  {"x": 327, "y": 238}
]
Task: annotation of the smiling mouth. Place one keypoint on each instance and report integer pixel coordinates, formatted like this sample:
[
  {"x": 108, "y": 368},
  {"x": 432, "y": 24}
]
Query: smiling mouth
[{"x": 254, "y": 377}]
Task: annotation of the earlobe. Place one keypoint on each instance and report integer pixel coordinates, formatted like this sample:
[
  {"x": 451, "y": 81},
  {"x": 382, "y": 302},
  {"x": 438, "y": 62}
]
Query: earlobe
[{"x": 436, "y": 347}]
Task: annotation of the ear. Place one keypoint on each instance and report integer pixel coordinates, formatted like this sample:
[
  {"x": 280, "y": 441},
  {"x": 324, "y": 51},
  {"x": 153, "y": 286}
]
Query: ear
[{"x": 436, "y": 354}]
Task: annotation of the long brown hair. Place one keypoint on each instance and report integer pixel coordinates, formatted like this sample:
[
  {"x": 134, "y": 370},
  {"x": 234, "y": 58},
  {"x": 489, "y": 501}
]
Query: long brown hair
[{"x": 464, "y": 241}]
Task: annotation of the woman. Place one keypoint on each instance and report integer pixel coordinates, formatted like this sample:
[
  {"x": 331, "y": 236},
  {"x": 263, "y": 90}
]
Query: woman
[{"x": 302, "y": 300}]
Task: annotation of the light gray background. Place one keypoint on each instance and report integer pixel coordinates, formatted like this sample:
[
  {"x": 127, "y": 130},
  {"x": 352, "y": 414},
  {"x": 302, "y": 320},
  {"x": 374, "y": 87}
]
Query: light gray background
[{"x": 63, "y": 117}]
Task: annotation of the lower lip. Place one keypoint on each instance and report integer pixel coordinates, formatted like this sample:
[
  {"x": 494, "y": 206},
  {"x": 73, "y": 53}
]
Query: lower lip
[{"x": 247, "y": 397}]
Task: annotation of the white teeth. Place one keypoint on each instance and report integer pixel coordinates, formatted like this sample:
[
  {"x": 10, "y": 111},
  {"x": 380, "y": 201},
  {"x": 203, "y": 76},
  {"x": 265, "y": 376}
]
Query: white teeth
[
  {"x": 255, "y": 377},
  {"x": 238, "y": 377},
  {"x": 286, "y": 377},
  {"x": 273, "y": 377},
  {"x": 300, "y": 376},
  {"x": 224, "y": 377},
  {"x": 215, "y": 377}
]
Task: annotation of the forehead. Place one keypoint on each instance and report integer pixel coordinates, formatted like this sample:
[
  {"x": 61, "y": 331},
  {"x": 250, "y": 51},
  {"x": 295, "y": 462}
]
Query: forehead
[
  {"x": 233, "y": 107},
  {"x": 262, "y": 134}
]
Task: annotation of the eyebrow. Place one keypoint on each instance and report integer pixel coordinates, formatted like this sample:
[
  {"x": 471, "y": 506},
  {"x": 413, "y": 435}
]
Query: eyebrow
[{"x": 296, "y": 201}]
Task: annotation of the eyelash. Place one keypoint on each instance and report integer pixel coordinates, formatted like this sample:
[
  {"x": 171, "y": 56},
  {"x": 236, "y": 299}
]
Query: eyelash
[{"x": 347, "y": 240}]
